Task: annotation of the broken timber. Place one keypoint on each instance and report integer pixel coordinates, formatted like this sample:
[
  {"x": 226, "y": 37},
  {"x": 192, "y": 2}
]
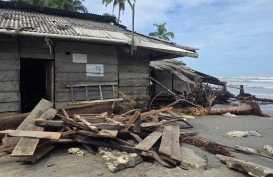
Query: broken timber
[
  {"x": 149, "y": 141},
  {"x": 169, "y": 146},
  {"x": 27, "y": 146}
]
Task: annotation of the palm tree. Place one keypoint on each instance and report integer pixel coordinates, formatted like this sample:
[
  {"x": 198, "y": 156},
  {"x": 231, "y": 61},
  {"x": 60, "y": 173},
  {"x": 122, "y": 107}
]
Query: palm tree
[
  {"x": 119, "y": 3},
  {"x": 161, "y": 32},
  {"x": 68, "y": 5}
]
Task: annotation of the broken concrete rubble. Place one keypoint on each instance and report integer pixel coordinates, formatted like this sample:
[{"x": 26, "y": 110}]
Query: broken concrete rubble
[
  {"x": 116, "y": 160},
  {"x": 247, "y": 167},
  {"x": 246, "y": 149},
  {"x": 242, "y": 133},
  {"x": 268, "y": 149},
  {"x": 190, "y": 160}
]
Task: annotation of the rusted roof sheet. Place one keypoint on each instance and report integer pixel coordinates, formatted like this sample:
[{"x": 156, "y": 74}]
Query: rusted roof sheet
[{"x": 30, "y": 23}]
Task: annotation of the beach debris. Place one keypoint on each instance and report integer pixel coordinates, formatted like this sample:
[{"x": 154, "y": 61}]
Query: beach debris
[
  {"x": 243, "y": 133},
  {"x": 250, "y": 168},
  {"x": 237, "y": 133},
  {"x": 246, "y": 149},
  {"x": 254, "y": 133},
  {"x": 268, "y": 149},
  {"x": 230, "y": 115},
  {"x": 76, "y": 151},
  {"x": 190, "y": 160},
  {"x": 206, "y": 145},
  {"x": 247, "y": 108},
  {"x": 116, "y": 160}
]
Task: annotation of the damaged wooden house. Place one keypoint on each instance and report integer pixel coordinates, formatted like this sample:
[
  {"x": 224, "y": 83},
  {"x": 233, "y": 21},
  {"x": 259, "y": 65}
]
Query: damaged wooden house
[
  {"x": 177, "y": 78},
  {"x": 68, "y": 57}
]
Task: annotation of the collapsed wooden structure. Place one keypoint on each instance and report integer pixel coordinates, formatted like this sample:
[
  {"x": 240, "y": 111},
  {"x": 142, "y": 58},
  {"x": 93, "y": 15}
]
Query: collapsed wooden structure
[{"x": 175, "y": 76}]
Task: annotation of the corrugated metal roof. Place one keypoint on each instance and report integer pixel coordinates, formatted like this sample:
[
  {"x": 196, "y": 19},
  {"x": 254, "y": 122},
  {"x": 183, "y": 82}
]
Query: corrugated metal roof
[{"x": 39, "y": 24}]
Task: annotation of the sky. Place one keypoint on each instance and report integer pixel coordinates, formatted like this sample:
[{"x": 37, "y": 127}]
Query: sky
[{"x": 235, "y": 37}]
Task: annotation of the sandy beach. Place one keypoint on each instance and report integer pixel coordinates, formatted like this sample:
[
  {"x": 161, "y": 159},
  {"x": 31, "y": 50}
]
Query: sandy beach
[{"x": 60, "y": 163}]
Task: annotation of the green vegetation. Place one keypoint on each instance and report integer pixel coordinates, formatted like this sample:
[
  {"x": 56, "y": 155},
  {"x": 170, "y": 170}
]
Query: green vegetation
[
  {"x": 119, "y": 3},
  {"x": 162, "y": 32},
  {"x": 68, "y": 5}
]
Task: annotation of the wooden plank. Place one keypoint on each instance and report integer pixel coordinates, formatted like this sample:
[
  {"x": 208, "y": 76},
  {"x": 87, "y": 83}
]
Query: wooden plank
[
  {"x": 166, "y": 141},
  {"x": 73, "y": 77},
  {"x": 149, "y": 141},
  {"x": 88, "y": 124},
  {"x": 150, "y": 124},
  {"x": 108, "y": 133},
  {"x": 9, "y": 76},
  {"x": 4, "y": 149},
  {"x": 7, "y": 97},
  {"x": 27, "y": 146},
  {"x": 39, "y": 153},
  {"x": 41, "y": 107},
  {"x": 9, "y": 86},
  {"x": 62, "y": 67},
  {"x": 132, "y": 120},
  {"x": 49, "y": 114},
  {"x": 176, "y": 155},
  {"x": 33, "y": 134},
  {"x": 152, "y": 112},
  {"x": 9, "y": 65},
  {"x": 10, "y": 107}
]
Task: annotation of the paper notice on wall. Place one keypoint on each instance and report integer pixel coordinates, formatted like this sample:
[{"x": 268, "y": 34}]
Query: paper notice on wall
[
  {"x": 95, "y": 70},
  {"x": 79, "y": 58}
]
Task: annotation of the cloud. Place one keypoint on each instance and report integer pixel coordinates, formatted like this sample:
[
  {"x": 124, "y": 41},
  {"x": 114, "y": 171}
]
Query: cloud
[{"x": 229, "y": 33}]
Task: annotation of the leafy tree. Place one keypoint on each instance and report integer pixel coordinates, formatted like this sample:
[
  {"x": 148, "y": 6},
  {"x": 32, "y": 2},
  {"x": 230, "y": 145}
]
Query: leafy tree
[
  {"x": 162, "y": 32},
  {"x": 119, "y": 3},
  {"x": 68, "y": 5}
]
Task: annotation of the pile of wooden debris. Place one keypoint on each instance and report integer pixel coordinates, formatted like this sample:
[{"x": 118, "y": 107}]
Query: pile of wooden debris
[{"x": 44, "y": 127}]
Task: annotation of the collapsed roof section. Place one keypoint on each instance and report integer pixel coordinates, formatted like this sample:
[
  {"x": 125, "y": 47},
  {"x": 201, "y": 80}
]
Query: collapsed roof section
[
  {"x": 25, "y": 20},
  {"x": 179, "y": 69}
]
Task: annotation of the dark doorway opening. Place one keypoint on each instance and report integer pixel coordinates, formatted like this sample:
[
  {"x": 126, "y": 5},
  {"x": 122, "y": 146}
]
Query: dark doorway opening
[{"x": 35, "y": 82}]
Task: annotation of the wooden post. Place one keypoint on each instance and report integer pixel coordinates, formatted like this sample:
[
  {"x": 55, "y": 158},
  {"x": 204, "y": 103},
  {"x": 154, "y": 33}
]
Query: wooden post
[{"x": 242, "y": 92}]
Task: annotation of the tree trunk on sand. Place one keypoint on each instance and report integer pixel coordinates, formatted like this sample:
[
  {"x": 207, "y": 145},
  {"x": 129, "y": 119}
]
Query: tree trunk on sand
[{"x": 248, "y": 108}]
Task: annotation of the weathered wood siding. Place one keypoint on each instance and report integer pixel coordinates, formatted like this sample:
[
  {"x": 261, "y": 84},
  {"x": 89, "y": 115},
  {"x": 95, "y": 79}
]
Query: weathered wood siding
[
  {"x": 165, "y": 78},
  {"x": 171, "y": 82},
  {"x": 9, "y": 76},
  {"x": 134, "y": 76},
  {"x": 67, "y": 72},
  {"x": 180, "y": 85},
  {"x": 36, "y": 48}
]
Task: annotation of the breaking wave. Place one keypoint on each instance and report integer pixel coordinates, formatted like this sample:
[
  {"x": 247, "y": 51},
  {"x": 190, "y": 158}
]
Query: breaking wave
[{"x": 260, "y": 86}]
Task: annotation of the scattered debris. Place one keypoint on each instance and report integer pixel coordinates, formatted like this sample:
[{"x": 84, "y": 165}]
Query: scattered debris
[
  {"x": 247, "y": 167},
  {"x": 243, "y": 133},
  {"x": 206, "y": 145},
  {"x": 268, "y": 149},
  {"x": 116, "y": 160},
  {"x": 190, "y": 160},
  {"x": 246, "y": 149},
  {"x": 230, "y": 115},
  {"x": 237, "y": 133},
  {"x": 73, "y": 150}
]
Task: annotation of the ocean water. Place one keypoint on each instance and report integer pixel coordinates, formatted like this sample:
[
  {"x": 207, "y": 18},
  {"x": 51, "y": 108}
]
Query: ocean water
[{"x": 261, "y": 87}]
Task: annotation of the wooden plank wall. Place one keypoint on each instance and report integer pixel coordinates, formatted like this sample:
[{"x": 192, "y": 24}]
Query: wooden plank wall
[
  {"x": 67, "y": 72},
  {"x": 9, "y": 76},
  {"x": 134, "y": 76},
  {"x": 36, "y": 48},
  {"x": 165, "y": 78},
  {"x": 172, "y": 83},
  {"x": 180, "y": 85}
]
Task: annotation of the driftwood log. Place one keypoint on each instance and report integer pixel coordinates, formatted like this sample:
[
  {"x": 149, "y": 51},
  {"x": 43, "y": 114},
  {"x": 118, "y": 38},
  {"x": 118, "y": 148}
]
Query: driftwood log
[{"x": 248, "y": 108}]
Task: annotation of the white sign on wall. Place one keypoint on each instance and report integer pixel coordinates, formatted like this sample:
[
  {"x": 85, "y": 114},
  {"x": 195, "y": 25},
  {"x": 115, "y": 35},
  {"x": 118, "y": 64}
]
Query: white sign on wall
[
  {"x": 95, "y": 70},
  {"x": 79, "y": 58}
]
